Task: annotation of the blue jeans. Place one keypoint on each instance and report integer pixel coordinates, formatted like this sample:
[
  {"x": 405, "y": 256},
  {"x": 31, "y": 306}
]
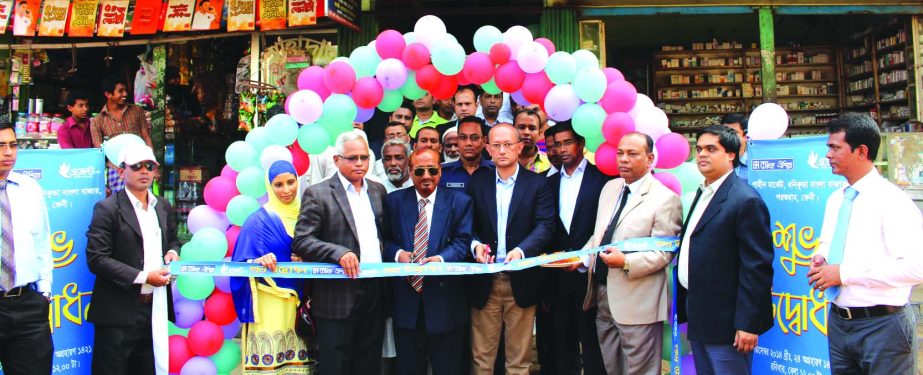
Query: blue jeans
[
  {"x": 881, "y": 345},
  {"x": 724, "y": 359}
]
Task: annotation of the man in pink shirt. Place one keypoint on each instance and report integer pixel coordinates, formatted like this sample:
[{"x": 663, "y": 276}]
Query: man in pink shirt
[{"x": 75, "y": 133}]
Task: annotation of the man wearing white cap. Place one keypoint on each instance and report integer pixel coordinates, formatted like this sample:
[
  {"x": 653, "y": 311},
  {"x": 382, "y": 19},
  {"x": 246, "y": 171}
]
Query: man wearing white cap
[{"x": 131, "y": 238}]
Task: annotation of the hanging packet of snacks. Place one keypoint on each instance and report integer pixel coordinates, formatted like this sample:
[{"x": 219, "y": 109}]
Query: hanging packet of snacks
[{"x": 246, "y": 111}]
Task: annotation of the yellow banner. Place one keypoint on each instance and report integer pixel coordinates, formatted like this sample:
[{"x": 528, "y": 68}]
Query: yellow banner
[
  {"x": 272, "y": 14},
  {"x": 6, "y": 8},
  {"x": 179, "y": 15},
  {"x": 112, "y": 18},
  {"x": 302, "y": 12},
  {"x": 241, "y": 15},
  {"x": 83, "y": 18},
  {"x": 54, "y": 18}
]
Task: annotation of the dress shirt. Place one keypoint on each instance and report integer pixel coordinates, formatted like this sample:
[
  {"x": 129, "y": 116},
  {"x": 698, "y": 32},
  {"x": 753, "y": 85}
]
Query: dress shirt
[
  {"x": 570, "y": 188},
  {"x": 151, "y": 238},
  {"x": 504, "y": 197},
  {"x": 74, "y": 135},
  {"x": 708, "y": 192},
  {"x": 551, "y": 171},
  {"x": 433, "y": 121},
  {"x": 366, "y": 230},
  {"x": 31, "y": 233},
  {"x": 881, "y": 258},
  {"x": 389, "y": 186},
  {"x": 743, "y": 170},
  {"x": 429, "y": 221},
  {"x": 634, "y": 186},
  {"x": 455, "y": 176}
]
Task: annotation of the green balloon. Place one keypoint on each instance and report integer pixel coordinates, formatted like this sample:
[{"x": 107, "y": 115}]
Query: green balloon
[
  {"x": 561, "y": 68},
  {"x": 334, "y": 129},
  {"x": 313, "y": 139},
  {"x": 588, "y": 120},
  {"x": 228, "y": 357},
  {"x": 486, "y": 37},
  {"x": 593, "y": 141},
  {"x": 259, "y": 139},
  {"x": 250, "y": 182},
  {"x": 208, "y": 244},
  {"x": 411, "y": 90},
  {"x": 240, "y": 155},
  {"x": 449, "y": 59},
  {"x": 195, "y": 287},
  {"x": 391, "y": 101},
  {"x": 240, "y": 208},
  {"x": 688, "y": 176},
  {"x": 490, "y": 87},
  {"x": 172, "y": 329},
  {"x": 364, "y": 61},
  {"x": 339, "y": 108},
  {"x": 590, "y": 84},
  {"x": 283, "y": 129}
]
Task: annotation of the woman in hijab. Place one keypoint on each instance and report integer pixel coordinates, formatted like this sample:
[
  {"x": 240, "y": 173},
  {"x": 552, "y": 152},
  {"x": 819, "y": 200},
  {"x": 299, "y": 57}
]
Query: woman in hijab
[{"x": 267, "y": 306}]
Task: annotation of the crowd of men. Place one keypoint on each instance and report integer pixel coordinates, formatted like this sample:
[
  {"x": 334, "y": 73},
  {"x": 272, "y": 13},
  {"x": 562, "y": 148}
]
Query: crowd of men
[{"x": 474, "y": 185}]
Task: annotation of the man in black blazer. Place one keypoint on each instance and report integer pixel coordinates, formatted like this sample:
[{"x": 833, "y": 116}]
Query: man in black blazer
[
  {"x": 575, "y": 190},
  {"x": 131, "y": 237},
  {"x": 725, "y": 261},
  {"x": 341, "y": 222},
  {"x": 428, "y": 224},
  {"x": 513, "y": 220}
]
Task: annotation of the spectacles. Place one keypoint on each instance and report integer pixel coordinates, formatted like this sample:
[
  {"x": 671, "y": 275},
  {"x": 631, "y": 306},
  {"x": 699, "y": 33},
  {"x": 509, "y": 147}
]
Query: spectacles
[
  {"x": 473, "y": 138},
  {"x": 11, "y": 145},
  {"x": 564, "y": 143},
  {"x": 433, "y": 171},
  {"x": 499, "y": 146},
  {"x": 354, "y": 158},
  {"x": 150, "y": 165}
]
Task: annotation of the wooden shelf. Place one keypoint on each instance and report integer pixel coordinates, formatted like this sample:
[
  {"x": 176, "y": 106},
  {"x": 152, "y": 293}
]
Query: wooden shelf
[
  {"x": 903, "y": 118},
  {"x": 860, "y": 59},
  {"x": 894, "y": 47},
  {"x": 697, "y": 68},
  {"x": 898, "y": 84},
  {"x": 894, "y": 101},
  {"x": 808, "y": 96},
  {"x": 700, "y": 99},
  {"x": 860, "y": 91},
  {"x": 860, "y": 106},
  {"x": 814, "y": 110},
  {"x": 700, "y": 85},
  {"x": 892, "y": 67},
  {"x": 860, "y": 75},
  {"x": 701, "y": 113}
]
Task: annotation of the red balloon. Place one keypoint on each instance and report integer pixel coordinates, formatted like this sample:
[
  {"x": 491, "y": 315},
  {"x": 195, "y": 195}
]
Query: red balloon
[
  {"x": 367, "y": 92},
  {"x": 536, "y": 86},
  {"x": 300, "y": 159},
  {"x": 616, "y": 125},
  {"x": 447, "y": 87},
  {"x": 339, "y": 77},
  {"x": 428, "y": 78},
  {"x": 219, "y": 309},
  {"x": 415, "y": 56},
  {"x": 219, "y": 191},
  {"x": 620, "y": 96},
  {"x": 549, "y": 46},
  {"x": 479, "y": 68},
  {"x": 509, "y": 77},
  {"x": 461, "y": 80},
  {"x": 612, "y": 75},
  {"x": 500, "y": 53},
  {"x": 607, "y": 159},
  {"x": 390, "y": 44},
  {"x": 205, "y": 338},
  {"x": 179, "y": 353},
  {"x": 231, "y": 234}
]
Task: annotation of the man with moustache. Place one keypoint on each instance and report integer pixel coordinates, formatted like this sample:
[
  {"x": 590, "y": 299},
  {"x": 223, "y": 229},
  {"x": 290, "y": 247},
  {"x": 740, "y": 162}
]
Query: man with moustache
[
  {"x": 403, "y": 115},
  {"x": 552, "y": 153},
  {"x": 117, "y": 117},
  {"x": 393, "y": 130},
  {"x": 490, "y": 109},
  {"x": 394, "y": 156},
  {"x": 450, "y": 151},
  {"x": 471, "y": 142},
  {"x": 529, "y": 124},
  {"x": 429, "y": 224},
  {"x": 426, "y": 116},
  {"x": 428, "y": 138},
  {"x": 466, "y": 105}
]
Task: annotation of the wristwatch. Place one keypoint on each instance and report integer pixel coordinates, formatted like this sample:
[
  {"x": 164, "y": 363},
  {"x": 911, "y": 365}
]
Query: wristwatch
[{"x": 625, "y": 265}]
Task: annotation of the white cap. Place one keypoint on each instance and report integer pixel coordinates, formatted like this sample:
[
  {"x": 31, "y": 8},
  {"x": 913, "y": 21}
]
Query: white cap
[{"x": 133, "y": 154}]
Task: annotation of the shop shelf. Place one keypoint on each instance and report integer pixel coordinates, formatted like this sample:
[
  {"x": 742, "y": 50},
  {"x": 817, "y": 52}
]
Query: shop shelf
[
  {"x": 895, "y": 47},
  {"x": 700, "y": 99},
  {"x": 894, "y": 101},
  {"x": 699, "y": 84}
]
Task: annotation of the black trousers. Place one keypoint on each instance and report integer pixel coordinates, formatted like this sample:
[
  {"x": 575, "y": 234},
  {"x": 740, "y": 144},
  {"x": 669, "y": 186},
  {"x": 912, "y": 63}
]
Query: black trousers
[
  {"x": 25, "y": 336},
  {"x": 568, "y": 334},
  {"x": 120, "y": 350},
  {"x": 352, "y": 346},
  {"x": 445, "y": 351}
]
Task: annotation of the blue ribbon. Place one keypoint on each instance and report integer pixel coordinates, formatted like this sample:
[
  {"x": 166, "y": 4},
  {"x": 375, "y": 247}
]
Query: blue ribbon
[{"x": 298, "y": 270}]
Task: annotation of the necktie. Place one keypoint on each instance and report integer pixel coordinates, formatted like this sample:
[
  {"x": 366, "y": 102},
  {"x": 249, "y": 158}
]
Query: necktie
[
  {"x": 7, "y": 251},
  {"x": 420, "y": 243},
  {"x": 838, "y": 244},
  {"x": 698, "y": 194},
  {"x": 602, "y": 271}
]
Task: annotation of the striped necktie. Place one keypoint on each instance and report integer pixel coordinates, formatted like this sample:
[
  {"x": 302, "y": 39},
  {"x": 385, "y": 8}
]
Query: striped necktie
[
  {"x": 420, "y": 243},
  {"x": 7, "y": 250}
]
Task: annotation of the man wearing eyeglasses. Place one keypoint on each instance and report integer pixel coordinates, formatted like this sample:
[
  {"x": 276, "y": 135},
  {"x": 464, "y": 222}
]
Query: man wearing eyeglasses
[
  {"x": 342, "y": 222},
  {"x": 131, "y": 239},
  {"x": 471, "y": 143},
  {"x": 428, "y": 224},
  {"x": 25, "y": 267},
  {"x": 513, "y": 220}
]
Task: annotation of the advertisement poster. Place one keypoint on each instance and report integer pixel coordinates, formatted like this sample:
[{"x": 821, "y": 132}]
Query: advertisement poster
[
  {"x": 73, "y": 181},
  {"x": 344, "y": 12},
  {"x": 146, "y": 17},
  {"x": 272, "y": 14},
  {"x": 241, "y": 15},
  {"x": 83, "y": 18},
  {"x": 112, "y": 18},
  {"x": 179, "y": 15},
  {"x": 794, "y": 178},
  {"x": 25, "y": 17},
  {"x": 54, "y": 18},
  {"x": 207, "y": 15},
  {"x": 6, "y": 8},
  {"x": 302, "y": 12}
]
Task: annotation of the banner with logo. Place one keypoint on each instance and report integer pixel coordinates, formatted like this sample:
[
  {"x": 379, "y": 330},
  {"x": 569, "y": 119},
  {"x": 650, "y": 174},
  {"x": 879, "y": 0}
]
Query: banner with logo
[
  {"x": 6, "y": 8},
  {"x": 146, "y": 17},
  {"x": 241, "y": 15},
  {"x": 54, "y": 18},
  {"x": 25, "y": 17},
  {"x": 179, "y": 15},
  {"x": 73, "y": 181},
  {"x": 794, "y": 178},
  {"x": 207, "y": 15},
  {"x": 112, "y": 18},
  {"x": 302, "y": 12},
  {"x": 272, "y": 14}
]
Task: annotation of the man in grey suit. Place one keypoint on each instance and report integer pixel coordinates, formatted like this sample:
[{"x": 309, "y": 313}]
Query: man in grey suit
[
  {"x": 341, "y": 222},
  {"x": 630, "y": 289}
]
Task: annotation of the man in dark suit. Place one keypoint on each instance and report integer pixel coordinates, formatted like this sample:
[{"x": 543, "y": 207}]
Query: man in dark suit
[
  {"x": 131, "y": 237},
  {"x": 725, "y": 261},
  {"x": 576, "y": 191},
  {"x": 514, "y": 212},
  {"x": 428, "y": 225},
  {"x": 341, "y": 222}
]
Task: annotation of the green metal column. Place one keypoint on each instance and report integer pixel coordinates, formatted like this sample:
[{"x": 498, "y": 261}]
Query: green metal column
[
  {"x": 349, "y": 39},
  {"x": 767, "y": 55},
  {"x": 560, "y": 25}
]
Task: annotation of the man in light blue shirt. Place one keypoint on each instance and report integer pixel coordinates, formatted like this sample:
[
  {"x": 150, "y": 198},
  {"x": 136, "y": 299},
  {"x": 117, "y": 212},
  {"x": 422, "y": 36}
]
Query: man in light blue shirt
[{"x": 738, "y": 122}]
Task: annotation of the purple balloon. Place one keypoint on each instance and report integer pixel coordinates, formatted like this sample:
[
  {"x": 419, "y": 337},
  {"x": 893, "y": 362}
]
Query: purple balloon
[
  {"x": 199, "y": 366},
  {"x": 263, "y": 200},
  {"x": 688, "y": 364},
  {"x": 391, "y": 73},
  {"x": 188, "y": 312},
  {"x": 561, "y": 102},
  {"x": 203, "y": 216},
  {"x": 177, "y": 296},
  {"x": 364, "y": 114},
  {"x": 223, "y": 283},
  {"x": 231, "y": 329},
  {"x": 521, "y": 100}
]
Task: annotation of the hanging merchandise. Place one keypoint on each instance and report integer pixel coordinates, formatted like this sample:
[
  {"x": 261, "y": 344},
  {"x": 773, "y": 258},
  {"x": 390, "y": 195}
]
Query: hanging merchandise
[
  {"x": 145, "y": 82},
  {"x": 302, "y": 12},
  {"x": 83, "y": 18},
  {"x": 145, "y": 17},
  {"x": 256, "y": 100},
  {"x": 54, "y": 18},
  {"x": 112, "y": 18},
  {"x": 25, "y": 16},
  {"x": 243, "y": 74},
  {"x": 241, "y": 15},
  {"x": 207, "y": 15},
  {"x": 6, "y": 8},
  {"x": 179, "y": 15},
  {"x": 272, "y": 14}
]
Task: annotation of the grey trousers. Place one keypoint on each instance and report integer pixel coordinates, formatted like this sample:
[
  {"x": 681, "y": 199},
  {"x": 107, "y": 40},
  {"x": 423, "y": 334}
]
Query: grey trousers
[
  {"x": 627, "y": 349},
  {"x": 881, "y": 345}
]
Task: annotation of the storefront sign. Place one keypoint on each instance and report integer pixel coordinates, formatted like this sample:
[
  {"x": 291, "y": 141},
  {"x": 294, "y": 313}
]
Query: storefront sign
[
  {"x": 302, "y": 12},
  {"x": 179, "y": 15},
  {"x": 277, "y": 57},
  {"x": 207, "y": 15},
  {"x": 241, "y": 15},
  {"x": 25, "y": 16},
  {"x": 6, "y": 8},
  {"x": 54, "y": 18},
  {"x": 272, "y": 14},
  {"x": 344, "y": 12},
  {"x": 112, "y": 18},
  {"x": 83, "y": 18},
  {"x": 146, "y": 17}
]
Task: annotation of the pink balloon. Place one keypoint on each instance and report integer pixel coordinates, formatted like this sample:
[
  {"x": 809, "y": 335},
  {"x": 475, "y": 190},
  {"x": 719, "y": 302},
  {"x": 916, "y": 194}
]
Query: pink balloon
[
  {"x": 519, "y": 99},
  {"x": 532, "y": 57},
  {"x": 479, "y": 68},
  {"x": 607, "y": 159},
  {"x": 229, "y": 172},
  {"x": 312, "y": 78},
  {"x": 670, "y": 181},
  {"x": 415, "y": 56},
  {"x": 203, "y": 216},
  {"x": 509, "y": 77},
  {"x": 391, "y": 73},
  {"x": 219, "y": 191},
  {"x": 536, "y": 86},
  {"x": 672, "y": 150},
  {"x": 390, "y": 44},
  {"x": 205, "y": 338},
  {"x": 612, "y": 75},
  {"x": 305, "y": 106},
  {"x": 339, "y": 77},
  {"x": 616, "y": 125},
  {"x": 231, "y": 234},
  {"x": 500, "y": 53},
  {"x": 620, "y": 96},
  {"x": 179, "y": 353},
  {"x": 367, "y": 92},
  {"x": 547, "y": 44}
]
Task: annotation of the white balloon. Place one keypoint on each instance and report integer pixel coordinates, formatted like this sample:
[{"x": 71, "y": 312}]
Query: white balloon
[
  {"x": 391, "y": 73},
  {"x": 651, "y": 121},
  {"x": 486, "y": 37},
  {"x": 561, "y": 102},
  {"x": 429, "y": 30},
  {"x": 516, "y": 37},
  {"x": 410, "y": 37},
  {"x": 372, "y": 44},
  {"x": 532, "y": 57},
  {"x": 768, "y": 121},
  {"x": 641, "y": 103},
  {"x": 343, "y": 59},
  {"x": 586, "y": 59},
  {"x": 274, "y": 153}
]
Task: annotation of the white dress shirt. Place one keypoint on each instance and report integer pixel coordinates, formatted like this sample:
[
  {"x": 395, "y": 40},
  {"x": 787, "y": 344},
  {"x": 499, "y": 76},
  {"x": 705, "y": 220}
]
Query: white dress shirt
[
  {"x": 429, "y": 222},
  {"x": 366, "y": 230},
  {"x": 882, "y": 260},
  {"x": 390, "y": 188},
  {"x": 151, "y": 238},
  {"x": 504, "y": 197},
  {"x": 708, "y": 192},
  {"x": 31, "y": 236},
  {"x": 634, "y": 186},
  {"x": 570, "y": 188}
]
